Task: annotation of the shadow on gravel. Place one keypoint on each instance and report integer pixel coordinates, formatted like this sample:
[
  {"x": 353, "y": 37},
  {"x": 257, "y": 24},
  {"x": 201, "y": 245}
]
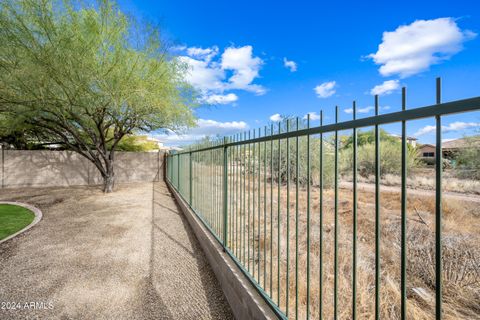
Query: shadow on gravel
[{"x": 185, "y": 258}]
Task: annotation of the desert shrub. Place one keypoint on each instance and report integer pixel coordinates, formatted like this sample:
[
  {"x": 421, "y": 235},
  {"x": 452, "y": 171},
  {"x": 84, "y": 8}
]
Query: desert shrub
[
  {"x": 460, "y": 267},
  {"x": 460, "y": 255},
  {"x": 284, "y": 167},
  {"x": 368, "y": 137},
  {"x": 136, "y": 144},
  {"x": 390, "y": 158},
  {"x": 468, "y": 159}
]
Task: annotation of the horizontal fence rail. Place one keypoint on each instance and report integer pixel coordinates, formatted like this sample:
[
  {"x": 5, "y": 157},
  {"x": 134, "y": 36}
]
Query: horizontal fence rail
[{"x": 272, "y": 198}]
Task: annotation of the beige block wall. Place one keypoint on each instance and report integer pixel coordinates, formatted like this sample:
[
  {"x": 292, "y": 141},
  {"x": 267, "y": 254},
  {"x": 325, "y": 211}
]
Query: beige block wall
[{"x": 65, "y": 168}]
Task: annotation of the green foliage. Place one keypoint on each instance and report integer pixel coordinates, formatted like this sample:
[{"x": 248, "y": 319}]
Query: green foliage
[
  {"x": 468, "y": 159},
  {"x": 390, "y": 155},
  {"x": 390, "y": 158},
  {"x": 71, "y": 74},
  {"x": 285, "y": 168},
  {"x": 136, "y": 144},
  {"x": 11, "y": 136},
  {"x": 368, "y": 137},
  {"x": 13, "y": 218}
]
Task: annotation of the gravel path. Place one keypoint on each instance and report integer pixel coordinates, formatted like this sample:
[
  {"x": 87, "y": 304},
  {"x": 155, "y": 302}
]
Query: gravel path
[{"x": 126, "y": 255}]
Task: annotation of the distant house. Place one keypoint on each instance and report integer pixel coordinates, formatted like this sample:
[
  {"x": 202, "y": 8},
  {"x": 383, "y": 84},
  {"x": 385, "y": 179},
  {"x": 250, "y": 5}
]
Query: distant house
[
  {"x": 426, "y": 151},
  {"x": 449, "y": 148},
  {"x": 453, "y": 146},
  {"x": 410, "y": 140}
]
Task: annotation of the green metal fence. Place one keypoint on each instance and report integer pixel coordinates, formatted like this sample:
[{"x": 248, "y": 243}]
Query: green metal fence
[{"x": 253, "y": 191}]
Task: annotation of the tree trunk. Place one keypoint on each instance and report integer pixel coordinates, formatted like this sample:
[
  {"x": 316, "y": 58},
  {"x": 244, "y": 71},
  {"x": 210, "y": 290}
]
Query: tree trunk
[{"x": 109, "y": 179}]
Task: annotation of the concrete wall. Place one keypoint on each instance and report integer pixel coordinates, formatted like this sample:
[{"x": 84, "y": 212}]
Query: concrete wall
[{"x": 20, "y": 168}]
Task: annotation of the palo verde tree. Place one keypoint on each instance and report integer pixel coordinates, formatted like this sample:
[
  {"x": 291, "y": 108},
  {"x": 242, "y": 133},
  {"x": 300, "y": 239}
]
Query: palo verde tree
[{"x": 85, "y": 77}]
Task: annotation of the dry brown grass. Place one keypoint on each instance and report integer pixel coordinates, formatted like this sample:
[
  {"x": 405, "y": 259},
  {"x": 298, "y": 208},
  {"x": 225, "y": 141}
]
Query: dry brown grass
[
  {"x": 461, "y": 258},
  {"x": 461, "y": 253},
  {"x": 427, "y": 182}
]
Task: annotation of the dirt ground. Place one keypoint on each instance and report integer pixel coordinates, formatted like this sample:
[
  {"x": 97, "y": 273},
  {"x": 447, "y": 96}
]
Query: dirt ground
[{"x": 126, "y": 255}]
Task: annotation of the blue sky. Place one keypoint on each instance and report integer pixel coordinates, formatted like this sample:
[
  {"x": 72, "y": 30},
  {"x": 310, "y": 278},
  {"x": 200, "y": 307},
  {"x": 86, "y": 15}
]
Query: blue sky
[{"x": 252, "y": 60}]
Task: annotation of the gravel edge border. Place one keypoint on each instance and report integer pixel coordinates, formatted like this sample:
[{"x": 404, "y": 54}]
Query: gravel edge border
[{"x": 35, "y": 210}]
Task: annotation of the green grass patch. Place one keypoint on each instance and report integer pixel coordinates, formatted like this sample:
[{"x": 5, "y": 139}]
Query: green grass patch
[{"x": 13, "y": 218}]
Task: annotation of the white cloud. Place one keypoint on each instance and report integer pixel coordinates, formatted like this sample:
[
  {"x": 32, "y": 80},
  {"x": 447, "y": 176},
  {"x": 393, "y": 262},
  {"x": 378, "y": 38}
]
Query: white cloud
[
  {"x": 385, "y": 88},
  {"x": 367, "y": 109},
  {"x": 360, "y": 110},
  {"x": 452, "y": 127},
  {"x": 220, "y": 98},
  {"x": 276, "y": 117},
  {"x": 204, "y": 128},
  {"x": 313, "y": 116},
  {"x": 245, "y": 68},
  {"x": 425, "y": 130},
  {"x": 213, "y": 127},
  {"x": 289, "y": 64},
  {"x": 413, "y": 48},
  {"x": 458, "y": 125},
  {"x": 178, "y": 48},
  {"x": 204, "y": 76},
  {"x": 203, "y": 53},
  {"x": 325, "y": 89},
  {"x": 214, "y": 76}
]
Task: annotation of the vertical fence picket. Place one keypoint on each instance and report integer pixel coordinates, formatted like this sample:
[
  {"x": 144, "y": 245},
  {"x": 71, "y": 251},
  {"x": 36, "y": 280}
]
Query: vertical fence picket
[
  {"x": 265, "y": 211},
  {"x": 308, "y": 220},
  {"x": 225, "y": 192},
  {"x": 354, "y": 212},
  {"x": 271, "y": 211},
  {"x": 190, "y": 192},
  {"x": 235, "y": 195},
  {"x": 259, "y": 173},
  {"x": 249, "y": 189},
  {"x": 438, "y": 207},
  {"x": 297, "y": 171},
  {"x": 287, "y": 289},
  {"x": 279, "y": 152},
  {"x": 253, "y": 204},
  {"x": 377, "y": 214},
  {"x": 243, "y": 197},
  {"x": 320, "y": 244},
  {"x": 335, "y": 240},
  {"x": 403, "y": 276}
]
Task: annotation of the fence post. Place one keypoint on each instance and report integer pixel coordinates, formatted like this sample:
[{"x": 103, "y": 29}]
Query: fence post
[
  {"x": 169, "y": 170},
  {"x": 3, "y": 165},
  {"x": 190, "y": 177},
  {"x": 438, "y": 208},
  {"x": 225, "y": 190},
  {"x": 166, "y": 167},
  {"x": 178, "y": 172}
]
